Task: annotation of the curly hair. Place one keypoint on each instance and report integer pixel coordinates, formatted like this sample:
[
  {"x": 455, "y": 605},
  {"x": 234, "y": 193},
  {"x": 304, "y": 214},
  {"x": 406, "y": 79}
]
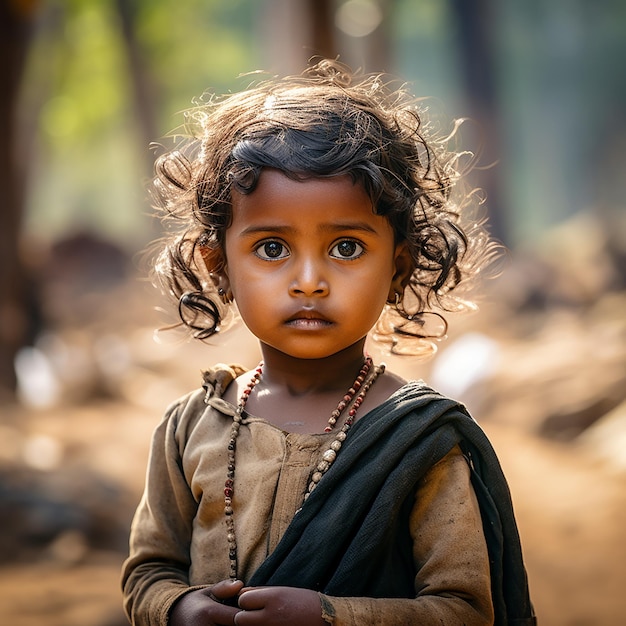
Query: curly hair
[{"x": 325, "y": 122}]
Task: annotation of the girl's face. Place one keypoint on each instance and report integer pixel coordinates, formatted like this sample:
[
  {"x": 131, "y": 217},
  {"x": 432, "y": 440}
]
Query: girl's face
[{"x": 309, "y": 263}]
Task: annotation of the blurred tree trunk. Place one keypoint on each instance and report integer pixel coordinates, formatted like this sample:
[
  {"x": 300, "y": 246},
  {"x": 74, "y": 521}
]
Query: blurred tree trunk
[
  {"x": 16, "y": 19},
  {"x": 322, "y": 19},
  {"x": 294, "y": 31},
  {"x": 143, "y": 86},
  {"x": 477, "y": 50},
  {"x": 371, "y": 53},
  {"x": 379, "y": 57}
]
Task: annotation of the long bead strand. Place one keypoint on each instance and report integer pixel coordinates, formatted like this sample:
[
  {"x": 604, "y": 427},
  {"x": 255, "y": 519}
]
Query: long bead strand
[
  {"x": 362, "y": 384},
  {"x": 229, "y": 485}
]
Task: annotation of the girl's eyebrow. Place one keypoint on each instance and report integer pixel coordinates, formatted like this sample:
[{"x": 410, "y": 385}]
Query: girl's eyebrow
[
  {"x": 265, "y": 228},
  {"x": 331, "y": 227},
  {"x": 341, "y": 226}
]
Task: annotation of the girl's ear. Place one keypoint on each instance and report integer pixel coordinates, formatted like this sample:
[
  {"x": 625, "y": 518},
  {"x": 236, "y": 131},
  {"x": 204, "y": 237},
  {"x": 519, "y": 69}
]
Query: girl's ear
[
  {"x": 403, "y": 269},
  {"x": 215, "y": 263},
  {"x": 213, "y": 258}
]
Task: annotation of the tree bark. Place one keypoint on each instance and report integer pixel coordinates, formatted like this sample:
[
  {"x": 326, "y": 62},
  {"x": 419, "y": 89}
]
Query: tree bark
[
  {"x": 143, "y": 86},
  {"x": 477, "y": 53},
  {"x": 322, "y": 22},
  {"x": 16, "y": 20}
]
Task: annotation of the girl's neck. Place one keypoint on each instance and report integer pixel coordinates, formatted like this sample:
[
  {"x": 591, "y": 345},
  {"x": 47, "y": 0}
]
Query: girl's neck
[
  {"x": 299, "y": 377},
  {"x": 299, "y": 395}
]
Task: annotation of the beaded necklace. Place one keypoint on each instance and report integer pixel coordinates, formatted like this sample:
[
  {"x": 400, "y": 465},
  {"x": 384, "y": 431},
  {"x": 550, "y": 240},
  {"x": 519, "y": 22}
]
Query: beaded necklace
[{"x": 359, "y": 388}]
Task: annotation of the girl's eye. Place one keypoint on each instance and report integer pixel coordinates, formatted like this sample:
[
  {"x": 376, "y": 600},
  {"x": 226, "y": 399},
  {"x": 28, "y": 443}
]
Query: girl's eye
[
  {"x": 272, "y": 250},
  {"x": 347, "y": 249}
]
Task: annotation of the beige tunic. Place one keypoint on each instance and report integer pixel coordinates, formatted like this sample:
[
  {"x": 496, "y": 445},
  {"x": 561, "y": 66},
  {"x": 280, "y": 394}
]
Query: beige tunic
[{"x": 178, "y": 536}]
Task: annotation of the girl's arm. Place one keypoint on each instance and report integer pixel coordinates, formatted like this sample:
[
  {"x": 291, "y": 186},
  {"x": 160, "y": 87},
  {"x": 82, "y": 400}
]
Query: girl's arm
[
  {"x": 453, "y": 583},
  {"x": 156, "y": 573},
  {"x": 453, "y": 580}
]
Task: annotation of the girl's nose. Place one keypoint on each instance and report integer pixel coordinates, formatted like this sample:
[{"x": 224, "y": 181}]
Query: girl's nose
[{"x": 309, "y": 281}]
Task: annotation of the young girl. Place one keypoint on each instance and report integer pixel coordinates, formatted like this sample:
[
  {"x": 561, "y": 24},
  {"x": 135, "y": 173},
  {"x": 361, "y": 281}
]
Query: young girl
[{"x": 319, "y": 488}]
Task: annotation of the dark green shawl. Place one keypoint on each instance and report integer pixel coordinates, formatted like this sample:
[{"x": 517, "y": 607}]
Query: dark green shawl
[{"x": 351, "y": 538}]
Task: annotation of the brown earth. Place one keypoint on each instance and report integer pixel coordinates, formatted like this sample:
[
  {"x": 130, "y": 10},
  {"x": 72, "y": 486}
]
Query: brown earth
[{"x": 550, "y": 395}]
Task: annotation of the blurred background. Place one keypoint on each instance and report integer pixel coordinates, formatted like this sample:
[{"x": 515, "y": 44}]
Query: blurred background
[{"x": 87, "y": 85}]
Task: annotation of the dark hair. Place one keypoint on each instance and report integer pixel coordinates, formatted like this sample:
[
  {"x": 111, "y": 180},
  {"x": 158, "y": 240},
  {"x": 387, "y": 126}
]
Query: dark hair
[{"x": 326, "y": 122}]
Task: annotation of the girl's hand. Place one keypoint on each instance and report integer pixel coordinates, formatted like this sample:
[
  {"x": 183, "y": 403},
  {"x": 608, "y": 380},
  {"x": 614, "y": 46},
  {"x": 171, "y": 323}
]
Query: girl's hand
[
  {"x": 203, "y": 607},
  {"x": 279, "y": 606}
]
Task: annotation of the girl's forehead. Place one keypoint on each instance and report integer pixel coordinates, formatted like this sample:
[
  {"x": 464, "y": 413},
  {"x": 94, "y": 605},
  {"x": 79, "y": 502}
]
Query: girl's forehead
[
  {"x": 277, "y": 192},
  {"x": 311, "y": 204}
]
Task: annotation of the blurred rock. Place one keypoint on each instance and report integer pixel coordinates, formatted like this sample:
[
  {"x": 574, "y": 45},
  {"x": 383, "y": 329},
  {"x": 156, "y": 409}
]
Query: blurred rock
[
  {"x": 558, "y": 313},
  {"x": 565, "y": 424},
  {"x": 606, "y": 439},
  {"x": 572, "y": 265},
  {"x": 543, "y": 363},
  {"x": 60, "y": 514},
  {"x": 463, "y": 365},
  {"x": 84, "y": 262}
]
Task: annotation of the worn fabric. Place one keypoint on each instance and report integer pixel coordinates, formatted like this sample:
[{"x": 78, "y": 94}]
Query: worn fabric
[
  {"x": 370, "y": 511},
  {"x": 178, "y": 537}
]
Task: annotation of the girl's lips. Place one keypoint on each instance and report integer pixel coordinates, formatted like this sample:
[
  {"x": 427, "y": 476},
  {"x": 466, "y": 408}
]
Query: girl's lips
[
  {"x": 308, "y": 323},
  {"x": 308, "y": 320}
]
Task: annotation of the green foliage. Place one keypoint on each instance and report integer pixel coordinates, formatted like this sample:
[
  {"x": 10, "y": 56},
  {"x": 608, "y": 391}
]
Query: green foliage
[
  {"x": 88, "y": 87},
  {"x": 199, "y": 45},
  {"x": 90, "y": 154},
  {"x": 560, "y": 90},
  {"x": 425, "y": 47}
]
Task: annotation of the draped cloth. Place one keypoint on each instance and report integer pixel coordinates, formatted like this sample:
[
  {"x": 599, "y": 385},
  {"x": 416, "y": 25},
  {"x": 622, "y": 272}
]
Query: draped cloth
[{"x": 351, "y": 537}]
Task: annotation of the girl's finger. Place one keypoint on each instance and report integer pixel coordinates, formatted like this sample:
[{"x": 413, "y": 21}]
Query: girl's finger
[
  {"x": 225, "y": 589},
  {"x": 251, "y": 600}
]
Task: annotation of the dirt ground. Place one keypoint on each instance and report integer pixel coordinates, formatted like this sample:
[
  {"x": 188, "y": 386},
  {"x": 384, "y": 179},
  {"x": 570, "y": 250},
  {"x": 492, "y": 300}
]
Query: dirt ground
[
  {"x": 72, "y": 471},
  {"x": 570, "y": 510}
]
